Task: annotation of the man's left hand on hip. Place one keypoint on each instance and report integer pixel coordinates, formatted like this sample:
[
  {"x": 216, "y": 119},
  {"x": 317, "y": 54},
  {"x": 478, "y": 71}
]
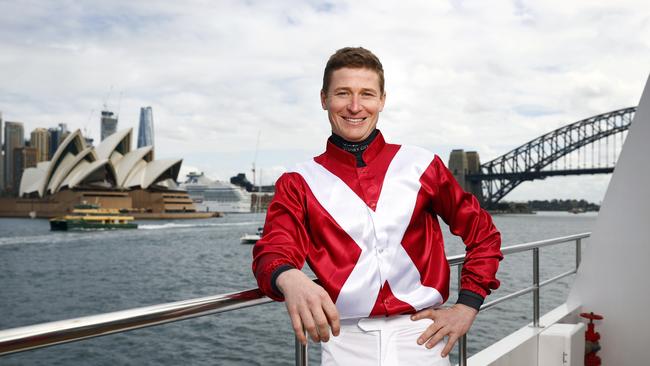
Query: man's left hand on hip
[{"x": 452, "y": 322}]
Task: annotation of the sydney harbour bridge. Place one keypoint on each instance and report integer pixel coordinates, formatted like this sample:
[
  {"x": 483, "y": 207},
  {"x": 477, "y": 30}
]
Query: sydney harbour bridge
[{"x": 588, "y": 146}]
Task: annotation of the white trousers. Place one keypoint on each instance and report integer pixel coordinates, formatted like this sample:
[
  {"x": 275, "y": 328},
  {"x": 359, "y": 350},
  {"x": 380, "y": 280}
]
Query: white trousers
[{"x": 390, "y": 341}]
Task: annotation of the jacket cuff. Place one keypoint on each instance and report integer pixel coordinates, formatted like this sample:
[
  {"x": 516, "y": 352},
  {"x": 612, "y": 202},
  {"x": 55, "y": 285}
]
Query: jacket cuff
[
  {"x": 470, "y": 298},
  {"x": 274, "y": 276}
]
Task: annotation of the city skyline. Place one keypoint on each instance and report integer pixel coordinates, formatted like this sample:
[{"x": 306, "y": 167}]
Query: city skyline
[
  {"x": 42, "y": 140},
  {"x": 459, "y": 75}
]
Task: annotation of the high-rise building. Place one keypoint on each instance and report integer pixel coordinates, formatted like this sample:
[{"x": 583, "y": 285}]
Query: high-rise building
[
  {"x": 108, "y": 124},
  {"x": 56, "y": 135},
  {"x": 55, "y": 140},
  {"x": 14, "y": 137},
  {"x": 145, "y": 130},
  {"x": 2, "y": 159},
  {"x": 63, "y": 127},
  {"x": 24, "y": 157},
  {"x": 40, "y": 140}
]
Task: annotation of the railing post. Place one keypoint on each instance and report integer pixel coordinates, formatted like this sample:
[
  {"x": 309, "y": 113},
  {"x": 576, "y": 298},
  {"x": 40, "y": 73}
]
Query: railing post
[
  {"x": 536, "y": 287},
  {"x": 301, "y": 352},
  {"x": 462, "y": 350},
  {"x": 578, "y": 252},
  {"x": 462, "y": 342}
]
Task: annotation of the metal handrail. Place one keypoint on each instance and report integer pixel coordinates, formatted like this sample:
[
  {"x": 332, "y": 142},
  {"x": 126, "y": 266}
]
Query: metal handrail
[
  {"x": 534, "y": 246},
  {"x": 64, "y": 331},
  {"x": 48, "y": 334}
]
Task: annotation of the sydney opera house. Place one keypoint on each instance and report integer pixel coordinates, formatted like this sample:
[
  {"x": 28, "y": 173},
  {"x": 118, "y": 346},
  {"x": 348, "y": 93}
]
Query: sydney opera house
[{"x": 110, "y": 174}]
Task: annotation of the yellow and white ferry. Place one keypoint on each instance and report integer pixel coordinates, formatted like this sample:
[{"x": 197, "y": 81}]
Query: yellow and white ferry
[{"x": 92, "y": 217}]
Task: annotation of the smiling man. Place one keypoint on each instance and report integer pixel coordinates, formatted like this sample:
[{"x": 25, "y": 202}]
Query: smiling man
[
  {"x": 353, "y": 102},
  {"x": 364, "y": 216}
]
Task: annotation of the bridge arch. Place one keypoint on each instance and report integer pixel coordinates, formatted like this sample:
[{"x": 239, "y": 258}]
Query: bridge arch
[{"x": 529, "y": 161}]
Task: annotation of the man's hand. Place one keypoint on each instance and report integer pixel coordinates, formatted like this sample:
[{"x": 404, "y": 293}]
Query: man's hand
[
  {"x": 452, "y": 322},
  {"x": 309, "y": 306}
]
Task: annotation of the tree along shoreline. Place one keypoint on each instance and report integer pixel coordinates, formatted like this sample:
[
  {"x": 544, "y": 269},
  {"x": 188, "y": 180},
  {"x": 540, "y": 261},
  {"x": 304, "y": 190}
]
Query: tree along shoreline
[{"x": 574, "y": 206}]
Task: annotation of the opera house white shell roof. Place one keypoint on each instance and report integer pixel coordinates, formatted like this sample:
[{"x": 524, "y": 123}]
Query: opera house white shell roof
[{"x": 110, "y": 165}]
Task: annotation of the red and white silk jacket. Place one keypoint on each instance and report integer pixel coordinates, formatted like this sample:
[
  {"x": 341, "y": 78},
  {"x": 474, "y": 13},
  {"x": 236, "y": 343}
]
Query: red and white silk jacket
[{"x": 371, "y": 234}]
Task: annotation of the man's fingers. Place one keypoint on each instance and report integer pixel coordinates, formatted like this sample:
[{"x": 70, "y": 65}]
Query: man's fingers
[
  {"x": 332, "y": 316},
  {"x": 296, "y": 324},
  {"x": 450, "y": 344},
  {"x": 309, "y": 324},
  {"x": 429, "y": 332},
  {"x": 437, "y": 337},
  {"x": 321, "y": 324},
  {"x": 423, "y": 314}
]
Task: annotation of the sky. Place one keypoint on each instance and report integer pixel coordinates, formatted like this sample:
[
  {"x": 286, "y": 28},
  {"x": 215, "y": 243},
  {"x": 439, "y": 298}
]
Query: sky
[{"x": 233, "y": 83}]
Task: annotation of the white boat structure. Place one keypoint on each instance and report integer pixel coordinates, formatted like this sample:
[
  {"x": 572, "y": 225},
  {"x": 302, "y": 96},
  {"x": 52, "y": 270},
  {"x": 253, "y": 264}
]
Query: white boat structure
[
  {"x": 216, "y": 196},
  {"x": 611, "y": 280},
  {"x": 252, "y": 238}
]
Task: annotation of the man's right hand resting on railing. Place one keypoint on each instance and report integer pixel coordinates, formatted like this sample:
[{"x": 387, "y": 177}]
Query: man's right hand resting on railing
[{"x": 309, "y": 305}]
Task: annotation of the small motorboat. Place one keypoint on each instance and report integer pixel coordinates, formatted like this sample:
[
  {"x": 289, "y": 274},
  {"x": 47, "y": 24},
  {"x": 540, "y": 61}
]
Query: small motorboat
[{"x": 252, "y": 238}]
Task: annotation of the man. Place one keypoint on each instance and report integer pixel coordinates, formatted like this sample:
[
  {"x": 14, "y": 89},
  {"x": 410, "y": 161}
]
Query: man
[{"x": 364, "y": 216}]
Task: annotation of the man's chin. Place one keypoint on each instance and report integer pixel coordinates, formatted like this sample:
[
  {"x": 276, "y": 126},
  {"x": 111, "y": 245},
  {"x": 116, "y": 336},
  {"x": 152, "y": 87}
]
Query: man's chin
[{"x": 355, "y": 136}]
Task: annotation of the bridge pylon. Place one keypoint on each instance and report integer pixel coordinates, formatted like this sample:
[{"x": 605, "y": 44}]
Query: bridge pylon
[{"x": 463, "y": 163}]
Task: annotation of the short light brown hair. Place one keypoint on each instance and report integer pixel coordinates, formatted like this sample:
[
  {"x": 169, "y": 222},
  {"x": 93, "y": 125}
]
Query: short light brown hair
[{"x": 356, "y": 58}]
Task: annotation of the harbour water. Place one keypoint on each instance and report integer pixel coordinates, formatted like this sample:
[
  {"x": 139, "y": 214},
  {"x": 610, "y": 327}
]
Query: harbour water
[{"x": 47, "y": 276}]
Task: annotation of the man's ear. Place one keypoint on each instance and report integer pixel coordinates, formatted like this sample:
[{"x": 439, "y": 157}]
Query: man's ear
[{"x": 323, "y": 100}]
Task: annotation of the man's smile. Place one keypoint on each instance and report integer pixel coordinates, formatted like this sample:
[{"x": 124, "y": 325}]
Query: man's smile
[{"x": 354, "y": 120}]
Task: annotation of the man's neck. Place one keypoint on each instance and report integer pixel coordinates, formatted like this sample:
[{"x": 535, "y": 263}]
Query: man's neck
[{"x": 355, "y": 148}]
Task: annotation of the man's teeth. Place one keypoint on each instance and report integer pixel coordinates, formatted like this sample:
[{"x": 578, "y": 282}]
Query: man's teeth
[{"x": 354, "y": 120}]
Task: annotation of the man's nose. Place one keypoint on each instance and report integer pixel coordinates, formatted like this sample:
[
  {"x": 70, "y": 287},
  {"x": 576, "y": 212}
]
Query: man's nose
[{"x": 354, "y": 106}]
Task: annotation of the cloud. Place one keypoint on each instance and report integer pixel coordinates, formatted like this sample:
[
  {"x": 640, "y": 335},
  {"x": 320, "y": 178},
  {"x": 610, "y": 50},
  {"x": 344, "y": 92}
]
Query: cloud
[{"x": 486, "y": 76}]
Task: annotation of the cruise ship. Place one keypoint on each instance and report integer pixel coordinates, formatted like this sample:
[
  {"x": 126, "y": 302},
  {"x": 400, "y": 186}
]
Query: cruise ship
[{"x": 216, "y": 196}]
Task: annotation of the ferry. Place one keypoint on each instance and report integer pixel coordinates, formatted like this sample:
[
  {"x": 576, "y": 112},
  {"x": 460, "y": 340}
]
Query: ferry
[{"x": 92, "y": 217}]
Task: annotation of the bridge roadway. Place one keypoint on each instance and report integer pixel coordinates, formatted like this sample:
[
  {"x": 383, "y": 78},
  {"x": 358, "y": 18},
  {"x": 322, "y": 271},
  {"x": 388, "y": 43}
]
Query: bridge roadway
[{"x": 539, "y": 174}]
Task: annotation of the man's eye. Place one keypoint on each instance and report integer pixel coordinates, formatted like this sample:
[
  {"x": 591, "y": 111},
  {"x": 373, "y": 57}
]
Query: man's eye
[{"x": 341, "y": 93}]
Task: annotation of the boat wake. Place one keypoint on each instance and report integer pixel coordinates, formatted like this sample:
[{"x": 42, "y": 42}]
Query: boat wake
[
  {"x": 84, "y": 235},
  {"x": 51, "y": 238},
  {"x": 173, "y": 225}
]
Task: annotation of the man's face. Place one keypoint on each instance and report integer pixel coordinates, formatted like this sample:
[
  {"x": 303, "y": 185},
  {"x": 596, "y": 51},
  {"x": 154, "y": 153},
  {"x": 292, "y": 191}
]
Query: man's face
[{"x": 353, "y": 103}]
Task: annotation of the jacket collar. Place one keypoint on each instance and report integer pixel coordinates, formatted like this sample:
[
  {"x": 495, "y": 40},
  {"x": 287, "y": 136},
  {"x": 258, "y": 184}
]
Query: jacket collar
[{"x": 372, "y": 151}]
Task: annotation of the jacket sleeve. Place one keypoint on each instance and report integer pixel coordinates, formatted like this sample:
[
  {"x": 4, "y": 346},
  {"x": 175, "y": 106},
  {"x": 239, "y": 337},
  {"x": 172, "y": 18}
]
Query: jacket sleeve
[
  {"x": 285, "y": 242},
  {"x": 463, "y": 213}
]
